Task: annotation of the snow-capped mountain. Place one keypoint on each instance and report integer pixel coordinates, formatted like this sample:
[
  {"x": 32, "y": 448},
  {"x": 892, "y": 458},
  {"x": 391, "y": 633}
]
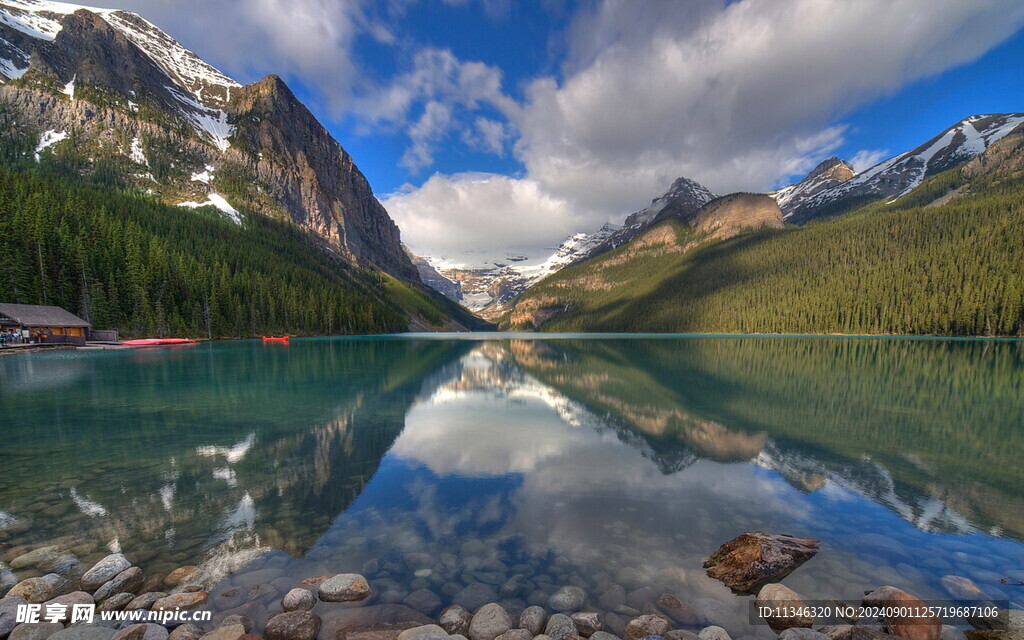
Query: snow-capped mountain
[
  {"x": 898, "y": 175},
  {"x": 192, "y": 88},
  {"x": 829, "y": 173},
  {"x": 488, "y": 289},
  {"x": 178, "y": 127}
]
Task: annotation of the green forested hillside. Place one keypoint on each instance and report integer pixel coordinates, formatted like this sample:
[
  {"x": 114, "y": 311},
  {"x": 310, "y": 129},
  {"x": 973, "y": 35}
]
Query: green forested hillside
[
  {"x": 125, "y": 261},
  {"x": 904, "y": 268}
]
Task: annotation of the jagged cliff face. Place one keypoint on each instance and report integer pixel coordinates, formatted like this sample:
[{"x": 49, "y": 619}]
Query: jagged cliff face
[{"x": 127, "y": 94}]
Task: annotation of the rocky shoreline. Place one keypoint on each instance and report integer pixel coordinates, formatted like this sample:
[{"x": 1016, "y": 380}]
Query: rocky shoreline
[{"x": 347, "y": 607}]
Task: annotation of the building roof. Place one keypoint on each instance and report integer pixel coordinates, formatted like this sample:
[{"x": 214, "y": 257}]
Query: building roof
[{"x": 33, "y": 315}]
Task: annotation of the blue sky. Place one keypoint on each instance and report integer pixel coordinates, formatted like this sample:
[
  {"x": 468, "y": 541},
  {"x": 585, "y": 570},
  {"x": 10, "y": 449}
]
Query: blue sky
[{"x": 490, "y": 127}]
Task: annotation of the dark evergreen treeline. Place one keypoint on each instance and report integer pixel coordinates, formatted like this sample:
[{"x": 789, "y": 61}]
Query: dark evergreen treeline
[
  {"x": 904, "y": 268},
  {"x": 125, "y": 261}
]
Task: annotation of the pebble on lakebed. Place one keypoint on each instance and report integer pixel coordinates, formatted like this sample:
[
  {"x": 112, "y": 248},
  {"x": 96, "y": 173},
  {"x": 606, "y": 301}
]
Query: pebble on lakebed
[{"x": 345, "y": 606}]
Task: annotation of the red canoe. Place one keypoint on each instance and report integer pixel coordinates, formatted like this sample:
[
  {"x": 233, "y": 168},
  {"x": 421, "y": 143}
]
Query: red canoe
[
  {"x": 276, "y": 339},
  {"x": 149, "y": 342}
]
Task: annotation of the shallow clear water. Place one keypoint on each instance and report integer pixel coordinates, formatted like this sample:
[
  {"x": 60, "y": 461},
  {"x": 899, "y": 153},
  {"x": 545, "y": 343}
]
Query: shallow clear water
[{"x": 434, "y": 463}]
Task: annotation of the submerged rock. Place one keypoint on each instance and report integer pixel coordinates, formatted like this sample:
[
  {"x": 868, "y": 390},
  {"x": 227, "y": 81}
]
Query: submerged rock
[
  {"x": 756, "y": 557},
  {"x": 423, "y": 632},
  {"x": 567, "y": 600},
  {"x": 679, "y": 611}
]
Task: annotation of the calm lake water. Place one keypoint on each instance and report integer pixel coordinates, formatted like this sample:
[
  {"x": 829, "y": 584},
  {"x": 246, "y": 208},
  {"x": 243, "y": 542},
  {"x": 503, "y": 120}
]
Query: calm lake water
[{"x": 472, "y": 470}]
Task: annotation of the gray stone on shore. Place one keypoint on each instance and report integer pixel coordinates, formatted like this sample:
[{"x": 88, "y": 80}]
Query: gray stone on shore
[
  {"x": 515, "y": 634},
  {"x": 128, "y": 581},
  {"x": 455, "y": 620},
  {"x": 802, "y": 633},
  {"x": 33, "y": 590},
  {"x": 85, "y": 632},
  {"x": 145, "y": 631},
  {"x": 680, "y": 634},
  {"x": 298, "y": 600},
  {"x": 587, "y": 623},
  {"x": 145, "y": 601},
  {"x": 651, "y": 624},
  {"x": 489, "y": 622},
  {"x": 567, "y": 600},
  {"x": 35, "y": 631},
  {"x": 104, "y": 571},
  {"x": 69, "y": 600},
  {"x": 344, "y": 587},
  {"x": 424, "y": 632},
  {"x": 713, "y": 633},
  {"x": 187, "y": 631},
  {"x": 116, "y": 602},
  {"x": 9, "y": 614},
  {"x": 293, "y": 625},
  {"x": 475, "y": 596},
  {"x": 604, "y": 635},
  {"x": 233, "y": 632},
  {"x": 776, "y": 596},
  {"x": 533, "y": 619},
  {"x": 560, "y": 626}
]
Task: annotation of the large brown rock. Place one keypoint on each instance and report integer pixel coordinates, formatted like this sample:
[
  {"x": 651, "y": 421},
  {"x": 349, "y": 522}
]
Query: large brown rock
[
  {"x": 910, "y": 627},
  {"x": 293, "y": 625},
  {"x": 755, "y": 557}
]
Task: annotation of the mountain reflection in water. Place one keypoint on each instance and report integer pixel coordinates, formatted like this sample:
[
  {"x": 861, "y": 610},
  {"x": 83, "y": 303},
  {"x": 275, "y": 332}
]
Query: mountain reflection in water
[{"x": 602, "y": 462}]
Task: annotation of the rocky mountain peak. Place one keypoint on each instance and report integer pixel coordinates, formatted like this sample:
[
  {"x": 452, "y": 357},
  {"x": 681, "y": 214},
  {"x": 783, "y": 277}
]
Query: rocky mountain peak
[{"x": 833, "y": 167}]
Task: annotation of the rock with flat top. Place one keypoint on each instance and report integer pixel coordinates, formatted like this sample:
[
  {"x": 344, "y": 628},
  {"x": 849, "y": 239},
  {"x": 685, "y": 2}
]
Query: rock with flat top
[{"x": 755, "y": 558}]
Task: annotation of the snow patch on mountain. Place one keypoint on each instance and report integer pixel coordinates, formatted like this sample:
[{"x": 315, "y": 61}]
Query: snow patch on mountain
[
  {"x": 69, "y": 89},
  {"x": 204, "y": 176},
  {"x": 218, "y": 201},
  {"x": 48, "y": 139}
]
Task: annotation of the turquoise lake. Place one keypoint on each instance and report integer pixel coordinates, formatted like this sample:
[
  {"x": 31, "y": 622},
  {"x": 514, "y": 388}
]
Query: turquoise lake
[{"x": 447, "y": 468}]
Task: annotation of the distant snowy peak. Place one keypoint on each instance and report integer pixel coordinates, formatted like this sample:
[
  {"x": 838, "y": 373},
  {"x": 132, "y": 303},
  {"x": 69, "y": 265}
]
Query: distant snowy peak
[
  {"x": 898, "y": 175},
  {"x": 575, "y": 248},
  {"x": 42, "y": 20},
  {"x": 684, "y": 196},
  {"x": 826, "y": 175}
]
